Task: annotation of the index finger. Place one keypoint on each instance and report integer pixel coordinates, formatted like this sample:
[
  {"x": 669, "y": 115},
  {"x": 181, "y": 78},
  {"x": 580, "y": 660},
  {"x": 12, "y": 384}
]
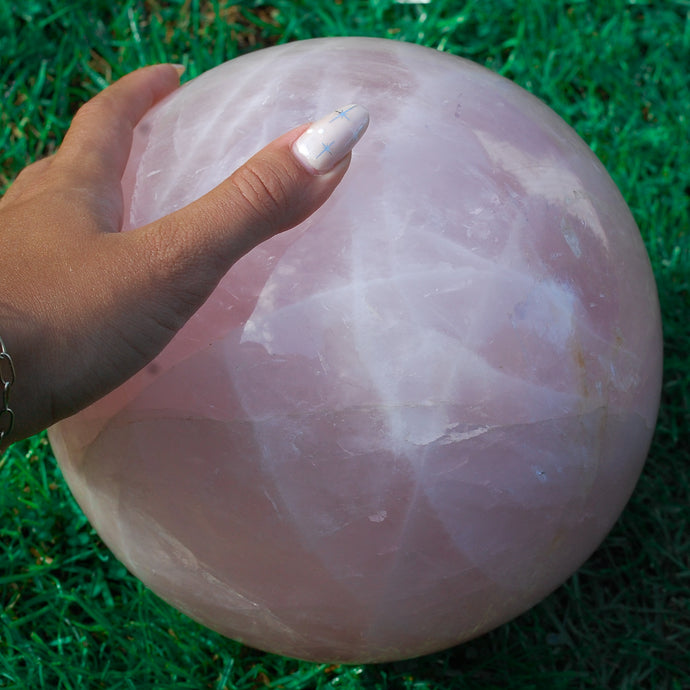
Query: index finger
[{"x": 99, "y": 139}]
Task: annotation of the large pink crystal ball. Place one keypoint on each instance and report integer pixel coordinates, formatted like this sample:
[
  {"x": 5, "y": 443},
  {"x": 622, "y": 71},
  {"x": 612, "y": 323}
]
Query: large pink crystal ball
[{"x": 407, "y": 420}]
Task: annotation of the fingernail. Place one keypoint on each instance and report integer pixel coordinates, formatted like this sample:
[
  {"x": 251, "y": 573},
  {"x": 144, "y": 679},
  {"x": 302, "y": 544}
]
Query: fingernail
[
  {"x": 178, "y": 68},
  {"x": 330, "y": 139}
]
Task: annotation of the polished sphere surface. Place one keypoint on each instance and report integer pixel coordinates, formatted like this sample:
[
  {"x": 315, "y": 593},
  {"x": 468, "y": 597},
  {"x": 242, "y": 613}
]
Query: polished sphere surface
[{"x": 410, "y": 418}]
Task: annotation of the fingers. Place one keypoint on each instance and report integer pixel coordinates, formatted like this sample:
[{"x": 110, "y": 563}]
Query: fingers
[
  {"x": 272, "y": 192},
  {"x": 98, "y": 142},
  {"x": 189, "y": 251}
]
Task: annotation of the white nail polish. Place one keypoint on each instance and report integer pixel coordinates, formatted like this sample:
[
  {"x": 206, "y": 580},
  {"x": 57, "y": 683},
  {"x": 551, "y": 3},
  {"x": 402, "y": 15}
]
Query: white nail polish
[{"x": 330, "y": 139}]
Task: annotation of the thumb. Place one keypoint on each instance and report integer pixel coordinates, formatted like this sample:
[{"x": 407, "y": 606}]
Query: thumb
[{"x": 190, "y": 250}]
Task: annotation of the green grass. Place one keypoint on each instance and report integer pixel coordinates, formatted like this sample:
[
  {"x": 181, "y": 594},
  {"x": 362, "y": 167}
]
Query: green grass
[{"x": 618, "y": 72}]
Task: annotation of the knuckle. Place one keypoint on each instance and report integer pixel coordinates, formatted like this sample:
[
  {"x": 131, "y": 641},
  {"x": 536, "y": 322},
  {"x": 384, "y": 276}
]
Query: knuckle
[
  {"x": 87, "y": 110},
  {"x": 265, "y": 191}
]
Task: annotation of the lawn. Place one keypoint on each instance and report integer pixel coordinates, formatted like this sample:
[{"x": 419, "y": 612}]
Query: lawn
[{"x": 617, "y": 71}]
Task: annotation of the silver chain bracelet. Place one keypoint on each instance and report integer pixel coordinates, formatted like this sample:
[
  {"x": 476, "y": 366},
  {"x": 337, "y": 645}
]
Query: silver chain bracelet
[{"x": 6, "y": 381}]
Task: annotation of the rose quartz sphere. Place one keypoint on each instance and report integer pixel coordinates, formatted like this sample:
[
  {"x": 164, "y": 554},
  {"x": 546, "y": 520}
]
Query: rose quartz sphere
[{"x": 407, "y": 420}]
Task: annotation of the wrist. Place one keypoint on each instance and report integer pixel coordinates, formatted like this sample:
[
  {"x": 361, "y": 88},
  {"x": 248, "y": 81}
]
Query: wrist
[
  {"x": 7, "y": 377},
  {"x": 25, "y": 404}
]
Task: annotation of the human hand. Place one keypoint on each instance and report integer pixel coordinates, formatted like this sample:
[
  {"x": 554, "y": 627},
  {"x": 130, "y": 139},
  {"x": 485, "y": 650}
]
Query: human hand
[{"x": 83, "y": 306}]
